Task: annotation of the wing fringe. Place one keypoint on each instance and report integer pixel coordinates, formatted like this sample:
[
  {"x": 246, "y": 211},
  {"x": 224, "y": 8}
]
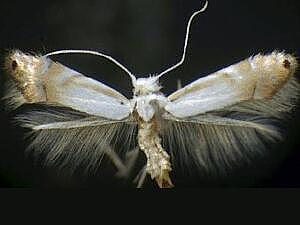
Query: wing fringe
[
  {"x": 65, "y": 138},
  {"x": 220, "y": 140},
  {"x": 12, "y": 98}
]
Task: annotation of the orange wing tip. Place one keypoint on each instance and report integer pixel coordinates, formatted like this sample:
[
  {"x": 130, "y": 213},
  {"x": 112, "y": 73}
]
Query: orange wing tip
[
  {"x": 274, "y": 70},
  {"x": 26, "y": 71}
]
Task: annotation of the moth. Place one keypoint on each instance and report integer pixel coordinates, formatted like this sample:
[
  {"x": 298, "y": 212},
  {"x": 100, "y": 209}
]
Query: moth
[{"x": 214, "y": 122}]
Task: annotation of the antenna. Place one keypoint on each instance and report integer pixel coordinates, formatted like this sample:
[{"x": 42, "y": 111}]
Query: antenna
[
  {"x": 72, "y": 51},
  {"x": 185, "y": 42}
]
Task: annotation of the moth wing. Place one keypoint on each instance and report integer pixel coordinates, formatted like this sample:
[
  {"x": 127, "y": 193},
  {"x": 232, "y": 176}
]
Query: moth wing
[
  {"x": 40, "y": 79},
  {"x": 74, "y": 120},
  {"x": 236, "y": 119},
  {"x": 255, "y": 78},
  {"x": 66, "y": 138}
]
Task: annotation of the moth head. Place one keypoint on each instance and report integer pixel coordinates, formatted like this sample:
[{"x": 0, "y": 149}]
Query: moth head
[{"x": 144, "y": 86}]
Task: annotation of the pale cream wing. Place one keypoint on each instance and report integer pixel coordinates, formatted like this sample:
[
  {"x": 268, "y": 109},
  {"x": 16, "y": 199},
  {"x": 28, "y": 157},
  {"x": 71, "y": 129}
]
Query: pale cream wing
[
  {"x": 233, "y": 116},
  {"x": 39, "y": 79},
  {"x": 255, "y": 78}
]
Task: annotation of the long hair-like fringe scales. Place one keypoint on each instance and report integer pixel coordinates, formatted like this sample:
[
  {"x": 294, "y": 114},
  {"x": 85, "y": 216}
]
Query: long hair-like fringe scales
[
  {"x": 219, "y": 140},
  {"x": 65, "y": 138},
  {"x": 215, "y": 141}
]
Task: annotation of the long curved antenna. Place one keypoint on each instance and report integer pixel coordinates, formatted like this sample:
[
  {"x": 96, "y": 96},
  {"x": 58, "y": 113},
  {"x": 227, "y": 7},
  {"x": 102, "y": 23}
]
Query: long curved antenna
[
  {"x": 72, "y": 51},
  {"x": 185, "y": 42}
]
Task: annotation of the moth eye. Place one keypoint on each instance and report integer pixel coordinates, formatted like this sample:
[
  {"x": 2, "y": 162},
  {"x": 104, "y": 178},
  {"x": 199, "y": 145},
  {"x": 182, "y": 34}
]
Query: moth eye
[
  {"x": 122, "y": 103},
  {"x": 286, "y": 64},
  {"x": 14, "y": 65}
]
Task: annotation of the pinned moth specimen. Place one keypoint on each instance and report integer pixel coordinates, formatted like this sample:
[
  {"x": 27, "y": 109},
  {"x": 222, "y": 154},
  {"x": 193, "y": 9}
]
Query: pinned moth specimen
[{"x": 212, "y": 122}]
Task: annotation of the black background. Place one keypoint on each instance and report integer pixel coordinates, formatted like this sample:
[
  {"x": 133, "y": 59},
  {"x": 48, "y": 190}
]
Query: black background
[{"x": 148, "y": 36}]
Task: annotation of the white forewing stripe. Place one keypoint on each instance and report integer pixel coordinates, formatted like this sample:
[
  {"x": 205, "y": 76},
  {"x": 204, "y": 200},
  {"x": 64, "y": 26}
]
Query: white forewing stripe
[
  {"x": 74, "y": 124},
  {"x": 193, "y": 104},
  {"x": 69, "y": 88},
  {"x": 221, "y": 121},
  {"x": 63, "y": 76},
  {"x": 99, "y": 108},
  {"x": 82, "y": 93},
  {"x": 220, "y": 89}
]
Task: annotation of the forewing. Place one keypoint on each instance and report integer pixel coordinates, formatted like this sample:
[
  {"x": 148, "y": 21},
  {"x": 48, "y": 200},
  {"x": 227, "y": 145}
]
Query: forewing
[
  {"x": 74, "y": 119},
  {"x": 255, "y": 78},
  {"x": 231, "y": 128},
  {"x": 39, "y": 79}
]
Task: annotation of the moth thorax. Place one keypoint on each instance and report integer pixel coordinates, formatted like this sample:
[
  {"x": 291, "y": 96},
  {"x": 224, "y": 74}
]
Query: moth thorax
[
  {"x": 144, "y": 86},
  {"x": 27, "y": 71}
]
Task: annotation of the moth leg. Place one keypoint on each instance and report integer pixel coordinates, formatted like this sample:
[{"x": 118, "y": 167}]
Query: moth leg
[
  {"x": 130, "y": 159},
  {"x": 112, "y": 155},
  {"x": 125, "y": 168},
  {"x": 140, "y": 178},
  {"x": 179, "y": 84}
]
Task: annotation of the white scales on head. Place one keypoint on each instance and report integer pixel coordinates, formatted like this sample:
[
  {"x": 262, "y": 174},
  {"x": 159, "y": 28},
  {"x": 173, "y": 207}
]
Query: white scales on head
[{"x": 203, "y": 118}]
